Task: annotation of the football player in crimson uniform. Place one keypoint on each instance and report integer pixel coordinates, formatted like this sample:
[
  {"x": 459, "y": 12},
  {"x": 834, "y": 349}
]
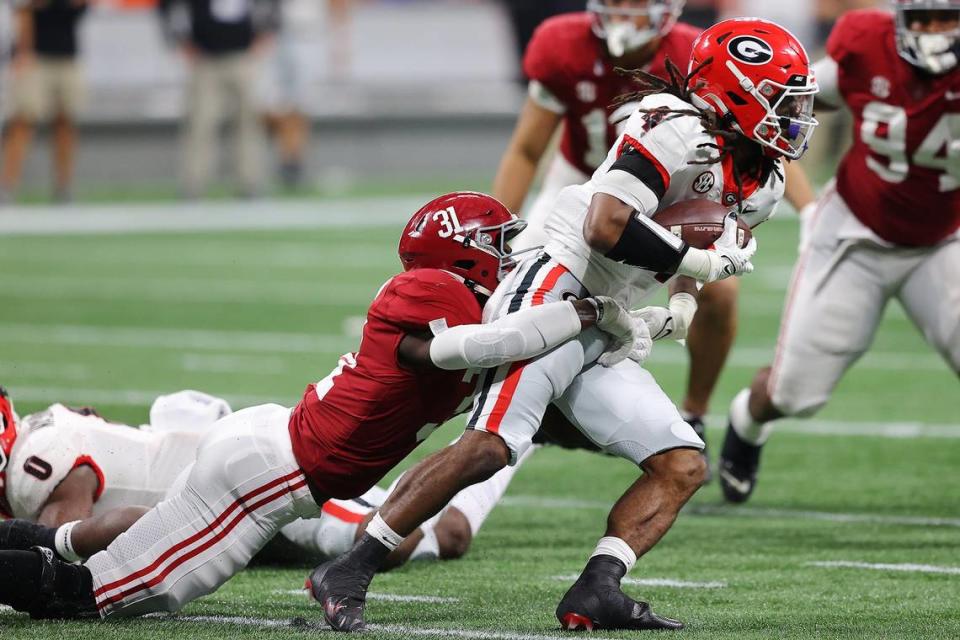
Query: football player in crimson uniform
[
  {"x": 423, "y": 348},
  {"x": 885, "y": 228},
  {"x": 572, "y": 63},
  {"x": 716, "y": 133}
]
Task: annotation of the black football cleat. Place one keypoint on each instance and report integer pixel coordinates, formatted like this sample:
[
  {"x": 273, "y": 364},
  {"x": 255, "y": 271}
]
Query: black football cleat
[
  {"x": 596, "y": 602},
  {"x": 342, "y": 592},
  {"x": 701, "y": 430},
  {"x": 23, "y": 535},
  {"x": 737, "y": 467},
  {"x": 47, "y": 588}
]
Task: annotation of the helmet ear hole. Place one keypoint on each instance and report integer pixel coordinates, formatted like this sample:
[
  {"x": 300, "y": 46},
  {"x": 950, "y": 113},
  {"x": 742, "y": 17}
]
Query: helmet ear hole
[
  {"x": 465, "y": 264},
  {"x": 735, "y": 99}
]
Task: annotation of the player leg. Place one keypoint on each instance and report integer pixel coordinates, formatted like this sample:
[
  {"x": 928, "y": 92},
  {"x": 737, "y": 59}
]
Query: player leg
[
  {"x": 709, "y": 340},
  {"x": 625, "y": 413},
  {"x": 506, "y": 415},
  {"x": 834, "y": 304},
  {"x": 243, "y": 488},
  {"x": 931, "y": 297}
]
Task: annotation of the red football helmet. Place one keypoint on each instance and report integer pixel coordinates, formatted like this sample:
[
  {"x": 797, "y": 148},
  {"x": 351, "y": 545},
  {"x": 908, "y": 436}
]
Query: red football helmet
[
  {"x": 614, "y": 21},
  {"x": 756, "y": 76},
  {"x": 465, "y": 233},
  {"x": 935, "y": 50},
  {"x": 8, "y": 435}
]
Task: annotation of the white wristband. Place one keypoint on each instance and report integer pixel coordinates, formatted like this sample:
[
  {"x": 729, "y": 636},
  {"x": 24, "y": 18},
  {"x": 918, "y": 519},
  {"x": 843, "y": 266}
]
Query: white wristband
[
  {"x": 64, "y": 543},
  {"x": 700, "y": 264},
  {"x": 682, "y": 306}
]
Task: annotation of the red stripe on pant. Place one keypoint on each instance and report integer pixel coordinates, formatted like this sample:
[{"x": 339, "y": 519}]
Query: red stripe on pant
[
  {"x": 237, "y": 504},
  {"x": 160, "y": 577},
  {"x": 548, "y": 284},
  {"x": 340, "y": 513}
]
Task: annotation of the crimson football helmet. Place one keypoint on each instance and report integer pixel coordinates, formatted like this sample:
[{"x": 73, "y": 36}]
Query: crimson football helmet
[
  {"x": 756, "y": 76},
  {"x": 465, "y": 233},
  {"x": 614, "y": 21},
  {"x": 933, "y": 51}
]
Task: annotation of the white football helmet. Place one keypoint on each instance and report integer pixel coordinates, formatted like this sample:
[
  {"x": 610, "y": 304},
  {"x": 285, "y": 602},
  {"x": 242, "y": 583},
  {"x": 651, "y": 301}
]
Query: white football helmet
[
  {"x": 615, "y": 25},
  {"x": 935, "y": 53}
]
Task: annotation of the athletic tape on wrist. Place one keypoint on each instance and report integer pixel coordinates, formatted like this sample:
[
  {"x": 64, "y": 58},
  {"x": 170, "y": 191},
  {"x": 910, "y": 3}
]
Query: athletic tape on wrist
[
  {"x": 382, "y": 532},
  {"x": 64, "y": 543}
]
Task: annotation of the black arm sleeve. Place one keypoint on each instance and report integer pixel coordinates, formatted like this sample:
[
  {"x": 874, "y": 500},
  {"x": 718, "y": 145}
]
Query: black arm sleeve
[
  {"x": 647, "y": 245},
  {"x": 640, "y": 167}
]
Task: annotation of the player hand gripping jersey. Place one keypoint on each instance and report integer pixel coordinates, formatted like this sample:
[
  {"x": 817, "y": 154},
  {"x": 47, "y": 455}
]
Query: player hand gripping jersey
[
  {"x": 717, "y": 133},
  {"x": 885, "y": 228},
  {"x": 263, "y": 467}
]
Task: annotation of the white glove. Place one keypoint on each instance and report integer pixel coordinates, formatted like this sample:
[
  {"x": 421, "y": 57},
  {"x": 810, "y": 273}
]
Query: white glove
[
  {"x": 659, "y": 321},
  {"x": 615, "y": 320},
  {"x": 721, "y": 261},
  {"x": 631, "y": 337},
  {"x": 806, "y": 224},
  {"x": 735, "y": 260}
]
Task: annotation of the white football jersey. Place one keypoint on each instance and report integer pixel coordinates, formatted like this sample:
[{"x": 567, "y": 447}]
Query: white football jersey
[
  {"x": 672, "y": 143},
  {"x": 134, "y": 466}
]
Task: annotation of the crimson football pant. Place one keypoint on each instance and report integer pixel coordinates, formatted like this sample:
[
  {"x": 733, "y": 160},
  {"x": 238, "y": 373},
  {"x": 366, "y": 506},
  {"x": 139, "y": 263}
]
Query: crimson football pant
[
  {"x": 244, "y": 486},
  {"x": 621, "y": 409}
]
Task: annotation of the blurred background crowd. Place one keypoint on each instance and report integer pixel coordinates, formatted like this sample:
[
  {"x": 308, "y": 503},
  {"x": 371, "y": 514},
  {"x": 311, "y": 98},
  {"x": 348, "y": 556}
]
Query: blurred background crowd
[{"x": 193, "y": 98}]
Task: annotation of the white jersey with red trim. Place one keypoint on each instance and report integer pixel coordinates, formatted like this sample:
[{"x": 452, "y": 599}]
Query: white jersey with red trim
[
  {"x": 679, "y": 152},
  {"x": 134, "y": 466}
]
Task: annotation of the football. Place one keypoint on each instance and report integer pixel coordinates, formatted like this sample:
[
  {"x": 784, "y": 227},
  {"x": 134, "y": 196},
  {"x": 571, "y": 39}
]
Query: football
[{"x": 699, "y": 222}]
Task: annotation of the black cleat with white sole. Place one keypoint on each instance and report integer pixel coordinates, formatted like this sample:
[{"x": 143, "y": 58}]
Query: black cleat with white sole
[
  {"x": 596, "y": 602},
  {"x": 737, "y": 467}
]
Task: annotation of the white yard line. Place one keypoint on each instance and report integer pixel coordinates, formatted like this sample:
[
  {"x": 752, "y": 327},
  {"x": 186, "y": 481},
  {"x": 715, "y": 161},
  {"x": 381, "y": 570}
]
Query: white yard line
[
  {"x": 209, "y": 216},
  {"x": 541, "y": 502},
  {"x": 657, "y": 582},
  {"x": 402, "y": 630},
  {"x": 235, "y": 364},
  {"x": 908, "y": 567},
  {"x": 383, "y": 597}
]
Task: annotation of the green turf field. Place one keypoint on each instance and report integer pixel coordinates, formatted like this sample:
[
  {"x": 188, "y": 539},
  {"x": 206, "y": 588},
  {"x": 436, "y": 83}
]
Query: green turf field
[{"x": 113, "y": 320}]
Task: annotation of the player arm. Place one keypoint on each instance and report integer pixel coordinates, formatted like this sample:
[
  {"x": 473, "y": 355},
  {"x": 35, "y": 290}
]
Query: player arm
[
  {"x": 517, "y": 336},
  {"x": 674, "y": 320},
  {"x": 73, "y": 498},
  {"x": 531, "y": 136},
  {"x": 798, "y": 190}
]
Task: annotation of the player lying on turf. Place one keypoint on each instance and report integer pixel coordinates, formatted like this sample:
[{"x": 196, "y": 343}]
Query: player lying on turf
[
  {"x": 887, "y": 227},
  {"x": 572, "y": 62},
  {"x": 745, "y": 103},
  {"x": 86, "y": 480},
  {"x": 422, "y": 350}
]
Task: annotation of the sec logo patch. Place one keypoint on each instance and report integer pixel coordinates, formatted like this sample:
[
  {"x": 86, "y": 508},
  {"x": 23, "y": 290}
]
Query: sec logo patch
[{"x": 704, "y": 182}]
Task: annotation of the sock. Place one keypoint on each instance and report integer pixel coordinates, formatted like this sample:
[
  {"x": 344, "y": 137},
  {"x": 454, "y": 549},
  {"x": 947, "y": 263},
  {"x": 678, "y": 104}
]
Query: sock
[
  {"x": 477, "y": 501},
  {"x": 749, "y": 430},
  {"x": 382, "y": 533},
  {"x": 19, "y": 578},
  {"x": 616, "y": 548},
  {"x": 64, "y": 542}
]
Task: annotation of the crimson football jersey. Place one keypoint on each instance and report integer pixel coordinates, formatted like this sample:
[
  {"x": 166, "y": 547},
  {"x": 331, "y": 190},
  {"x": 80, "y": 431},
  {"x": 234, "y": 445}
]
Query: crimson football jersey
[
  {"x": 571, "y": 73},
  {"x": 901, "y": 177},
  {"x": 369, "y": 413}
]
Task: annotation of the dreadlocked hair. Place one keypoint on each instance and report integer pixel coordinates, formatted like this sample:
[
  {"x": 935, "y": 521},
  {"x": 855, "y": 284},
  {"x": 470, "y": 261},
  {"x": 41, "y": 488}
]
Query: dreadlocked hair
[{"x": 677, "y": 84}]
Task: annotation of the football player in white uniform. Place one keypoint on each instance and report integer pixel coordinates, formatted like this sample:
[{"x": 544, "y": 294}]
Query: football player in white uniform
[{"x": 717, "y": 133}]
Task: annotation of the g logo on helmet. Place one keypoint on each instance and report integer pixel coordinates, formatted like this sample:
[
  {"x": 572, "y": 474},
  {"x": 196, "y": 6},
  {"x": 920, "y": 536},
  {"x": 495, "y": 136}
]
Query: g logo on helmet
[{"x": 750, "y": 50}]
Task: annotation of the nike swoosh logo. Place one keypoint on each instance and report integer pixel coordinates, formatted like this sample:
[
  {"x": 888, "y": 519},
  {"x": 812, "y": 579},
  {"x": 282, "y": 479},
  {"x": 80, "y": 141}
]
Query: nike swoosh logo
[
  {"x": 950, "y": 95},
  {"x": 741, "y": 486}
]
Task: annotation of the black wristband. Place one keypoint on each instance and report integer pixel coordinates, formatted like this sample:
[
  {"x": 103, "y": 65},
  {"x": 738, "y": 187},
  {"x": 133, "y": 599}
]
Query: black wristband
[{"x": 647, "y": 245}]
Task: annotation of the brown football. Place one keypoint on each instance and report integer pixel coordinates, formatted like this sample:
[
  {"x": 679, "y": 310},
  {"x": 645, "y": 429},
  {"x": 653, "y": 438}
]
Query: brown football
[{"x": 699, "y": 222}]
